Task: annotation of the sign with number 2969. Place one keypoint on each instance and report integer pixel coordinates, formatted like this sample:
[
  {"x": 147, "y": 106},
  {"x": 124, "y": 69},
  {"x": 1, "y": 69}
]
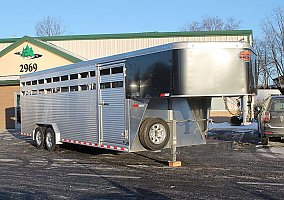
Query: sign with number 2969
[{"x": 32, "y": 67}]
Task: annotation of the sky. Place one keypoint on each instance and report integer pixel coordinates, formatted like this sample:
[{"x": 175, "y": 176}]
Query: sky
[{"x": 82, "y": 17}]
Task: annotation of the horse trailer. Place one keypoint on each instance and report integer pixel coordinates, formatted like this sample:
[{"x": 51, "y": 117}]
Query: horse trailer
[{"x": 148, "y": 99}]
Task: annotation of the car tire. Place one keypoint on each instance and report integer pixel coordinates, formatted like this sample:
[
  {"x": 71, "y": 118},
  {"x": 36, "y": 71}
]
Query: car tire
[
  {"x": 154, "y": 134},
  {"x": 264, "y": 140},
  {"x": 50, "y": 143}
]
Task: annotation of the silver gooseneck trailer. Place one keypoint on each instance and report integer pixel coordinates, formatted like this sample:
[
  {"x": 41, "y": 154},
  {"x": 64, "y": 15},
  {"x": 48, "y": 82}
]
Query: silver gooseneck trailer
[{"x": 143, "y": 100}]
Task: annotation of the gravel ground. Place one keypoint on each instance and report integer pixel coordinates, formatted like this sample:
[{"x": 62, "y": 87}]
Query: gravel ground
[{"x": 220, "y": 169}]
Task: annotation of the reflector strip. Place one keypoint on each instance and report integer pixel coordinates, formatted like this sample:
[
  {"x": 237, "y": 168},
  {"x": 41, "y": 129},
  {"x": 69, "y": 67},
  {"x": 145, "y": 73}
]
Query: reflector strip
[
  {"x": 95, "y": 145},
  {"x": 26, "y": 134}
]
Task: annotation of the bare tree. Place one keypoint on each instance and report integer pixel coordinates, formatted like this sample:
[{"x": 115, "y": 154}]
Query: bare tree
[
  {"x": 212, "y": 24},
  {"x": 264, "y": 70},
  {"x": 49, "y": 26},
  {"x": 232, "y": 24},
  {"x": 271, "y": 48}
]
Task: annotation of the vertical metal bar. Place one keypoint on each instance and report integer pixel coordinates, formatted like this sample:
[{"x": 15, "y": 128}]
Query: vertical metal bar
[
  {"x": 244, "y": 100},
  {"x": 99, "y": 107},
  {"x": 174, "y": 143},
  {"x": 174, "y": 138}
]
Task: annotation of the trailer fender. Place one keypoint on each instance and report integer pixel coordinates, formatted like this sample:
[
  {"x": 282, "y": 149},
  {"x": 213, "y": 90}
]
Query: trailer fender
[{"x": 55, "y": 129}]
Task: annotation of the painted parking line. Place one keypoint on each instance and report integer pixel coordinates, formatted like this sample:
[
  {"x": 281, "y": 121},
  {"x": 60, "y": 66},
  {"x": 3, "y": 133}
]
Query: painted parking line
[
  {"x": 260, "y": 183},
  {"x": 104, "y": 176}
]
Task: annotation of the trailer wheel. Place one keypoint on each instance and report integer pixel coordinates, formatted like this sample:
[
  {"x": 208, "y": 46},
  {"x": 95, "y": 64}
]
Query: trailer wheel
[
  {"x": 39, "y": 137},
  {"x": 50, "y": 140},
  {"x": 154, "y": 134}
]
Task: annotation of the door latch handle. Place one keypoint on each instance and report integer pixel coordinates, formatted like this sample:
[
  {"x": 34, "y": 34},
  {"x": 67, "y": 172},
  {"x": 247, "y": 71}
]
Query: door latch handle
[{"x": 102, "y": 103}]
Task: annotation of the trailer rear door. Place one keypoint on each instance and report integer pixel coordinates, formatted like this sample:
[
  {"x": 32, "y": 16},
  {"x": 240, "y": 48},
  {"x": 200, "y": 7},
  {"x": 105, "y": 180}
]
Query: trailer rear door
[{"x": 111, "y": 104}]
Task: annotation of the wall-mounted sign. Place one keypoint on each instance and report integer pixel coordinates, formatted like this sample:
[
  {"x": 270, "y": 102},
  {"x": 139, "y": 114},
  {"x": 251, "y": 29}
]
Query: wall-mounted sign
[{"x": 28, "y": 53}]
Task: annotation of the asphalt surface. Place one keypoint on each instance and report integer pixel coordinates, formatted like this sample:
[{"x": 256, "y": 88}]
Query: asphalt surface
[{"x": 218, "y": 170}]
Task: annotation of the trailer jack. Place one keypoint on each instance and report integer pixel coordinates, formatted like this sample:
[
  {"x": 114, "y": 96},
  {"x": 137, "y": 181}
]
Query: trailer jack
[{"x": 173, "y": 162}]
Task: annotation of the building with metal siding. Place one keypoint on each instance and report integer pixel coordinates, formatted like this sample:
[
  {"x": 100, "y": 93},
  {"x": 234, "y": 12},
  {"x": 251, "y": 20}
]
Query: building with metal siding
[
  {"x": 96, "y": 46},
  {"x": 61, "y": 50}
]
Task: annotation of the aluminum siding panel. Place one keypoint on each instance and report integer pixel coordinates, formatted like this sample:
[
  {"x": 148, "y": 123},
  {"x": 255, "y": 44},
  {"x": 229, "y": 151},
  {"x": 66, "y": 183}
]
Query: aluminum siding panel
[
  {"x": 91, "y": 49},
  {"x": 71, "y": 111}
]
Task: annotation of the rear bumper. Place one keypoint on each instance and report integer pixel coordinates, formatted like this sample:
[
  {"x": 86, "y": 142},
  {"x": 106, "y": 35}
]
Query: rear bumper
[{"x": 274, "y": 133}]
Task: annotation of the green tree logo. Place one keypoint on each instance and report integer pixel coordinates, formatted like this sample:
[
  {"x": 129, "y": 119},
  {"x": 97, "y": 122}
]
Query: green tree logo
[{"x": 27, "y": 52}]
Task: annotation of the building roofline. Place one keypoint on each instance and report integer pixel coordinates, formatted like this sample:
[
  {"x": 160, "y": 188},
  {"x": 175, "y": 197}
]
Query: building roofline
[
  {"x": 9, "y": 82},
  {"x": 137, "y": 35},
  {"x": 41, "y": 44}
]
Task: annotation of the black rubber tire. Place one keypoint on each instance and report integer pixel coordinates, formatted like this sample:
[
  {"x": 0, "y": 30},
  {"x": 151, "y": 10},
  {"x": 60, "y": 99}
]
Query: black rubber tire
[
  {"x": 154, "y": 134},
  {"x": 264, "y": 140},
  {"x": 49, "y": 139},
  {"x": 142, "y": 128},
  {"x": 39, "y": 137}
]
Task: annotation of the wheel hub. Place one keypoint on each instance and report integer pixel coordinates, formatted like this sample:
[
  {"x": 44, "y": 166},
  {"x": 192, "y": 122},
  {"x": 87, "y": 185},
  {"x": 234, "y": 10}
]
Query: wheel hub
[{"x": 157, "y": 133}]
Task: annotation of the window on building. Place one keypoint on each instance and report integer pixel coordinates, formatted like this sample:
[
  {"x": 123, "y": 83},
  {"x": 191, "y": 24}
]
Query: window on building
[
  {"x": 34, "y": 82},
  {"x": 41, "y": 81}
]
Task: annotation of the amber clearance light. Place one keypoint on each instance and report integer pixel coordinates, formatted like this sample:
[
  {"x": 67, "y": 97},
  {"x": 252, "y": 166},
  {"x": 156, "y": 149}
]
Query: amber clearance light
[{"x": 245, "y": 55}]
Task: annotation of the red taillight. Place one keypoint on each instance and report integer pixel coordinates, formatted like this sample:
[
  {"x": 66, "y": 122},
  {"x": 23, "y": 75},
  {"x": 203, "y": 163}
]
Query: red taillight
[
  {"x": 266, "y": 117},
  {"x": 245, "y": 55},
  {"x": 267, "y": 133},
  {"x": 164, "y": 94},
  {"x": 136, "y": 105}
]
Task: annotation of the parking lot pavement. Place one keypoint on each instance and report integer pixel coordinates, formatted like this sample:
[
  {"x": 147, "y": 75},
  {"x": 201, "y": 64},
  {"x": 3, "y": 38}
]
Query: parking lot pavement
[{"x": 217, "y": 170}]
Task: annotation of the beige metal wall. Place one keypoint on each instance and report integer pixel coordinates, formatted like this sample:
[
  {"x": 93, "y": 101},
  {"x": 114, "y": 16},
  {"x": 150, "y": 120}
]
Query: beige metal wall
[
  {"x": 96, "y": 48},
  {"x": 91, "y": 49}
]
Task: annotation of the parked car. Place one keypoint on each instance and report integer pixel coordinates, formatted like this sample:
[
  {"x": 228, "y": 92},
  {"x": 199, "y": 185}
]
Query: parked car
[{"x": 271, "y": 119}]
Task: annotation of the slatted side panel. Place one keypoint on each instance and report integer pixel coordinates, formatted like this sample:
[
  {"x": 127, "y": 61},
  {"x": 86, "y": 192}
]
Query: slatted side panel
[{"x": 74, "y": 113}]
